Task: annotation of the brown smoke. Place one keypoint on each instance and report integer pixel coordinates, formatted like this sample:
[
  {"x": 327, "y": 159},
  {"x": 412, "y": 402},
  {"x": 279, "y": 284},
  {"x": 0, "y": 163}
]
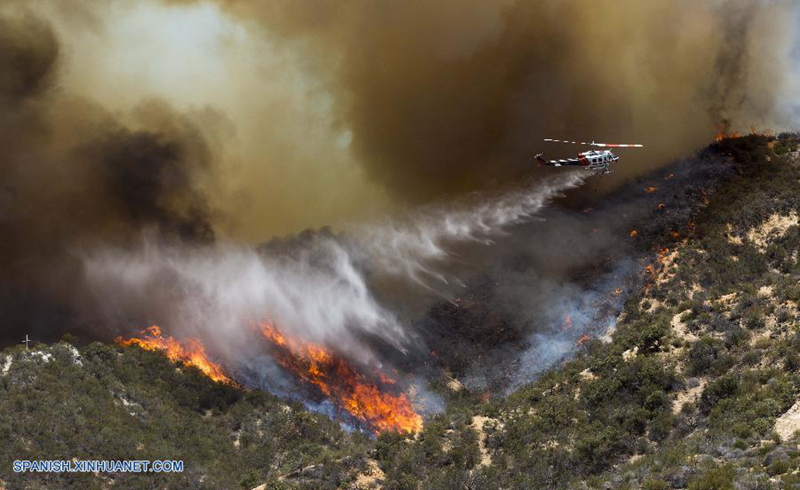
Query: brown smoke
[
  {"x": 443, "y": 96},
  {"x": 340, "y": 110},
  {"x": 246, "y": 119},
  {"x": 73, "y": 175}
]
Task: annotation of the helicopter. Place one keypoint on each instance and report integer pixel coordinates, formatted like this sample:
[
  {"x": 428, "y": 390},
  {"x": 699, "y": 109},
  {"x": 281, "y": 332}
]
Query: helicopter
[{"x": 598, "y": 162}]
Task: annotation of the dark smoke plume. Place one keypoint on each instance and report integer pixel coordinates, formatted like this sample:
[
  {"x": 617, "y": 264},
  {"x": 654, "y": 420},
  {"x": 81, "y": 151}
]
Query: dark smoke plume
[
  {"x": 74, "y": 175},
  {"x": 350, "y": 110}
]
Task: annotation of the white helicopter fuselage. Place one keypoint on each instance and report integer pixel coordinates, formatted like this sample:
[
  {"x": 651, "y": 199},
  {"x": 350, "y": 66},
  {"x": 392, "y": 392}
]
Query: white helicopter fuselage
[{"x": 597, "y": 160}]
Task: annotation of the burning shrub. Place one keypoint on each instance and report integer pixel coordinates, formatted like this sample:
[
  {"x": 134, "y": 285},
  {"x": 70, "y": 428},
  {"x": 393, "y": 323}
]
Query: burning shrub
[
  {"x": 189, "y": 352},
  {"x": 368, "y": 400}
]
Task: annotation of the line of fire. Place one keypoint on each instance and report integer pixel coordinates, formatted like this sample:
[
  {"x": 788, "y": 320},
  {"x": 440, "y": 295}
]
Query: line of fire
[{"x": 373, "y": 401}]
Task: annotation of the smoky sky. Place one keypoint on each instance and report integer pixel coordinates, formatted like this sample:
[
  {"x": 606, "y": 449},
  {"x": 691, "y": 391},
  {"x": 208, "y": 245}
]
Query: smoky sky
[
  {"x": 447, "y": 96},
  {"x": 74, "y": 175},
  {"x": 361, "y": 106},
  {"x": 336, "y": 111}
]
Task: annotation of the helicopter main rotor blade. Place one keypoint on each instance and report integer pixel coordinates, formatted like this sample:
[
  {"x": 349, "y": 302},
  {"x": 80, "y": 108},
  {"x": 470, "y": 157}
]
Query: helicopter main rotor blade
[
  {"x": 601, "y": 145},
  {"x": 617, "y": 145},
  {"x": 568, "y": 142}
]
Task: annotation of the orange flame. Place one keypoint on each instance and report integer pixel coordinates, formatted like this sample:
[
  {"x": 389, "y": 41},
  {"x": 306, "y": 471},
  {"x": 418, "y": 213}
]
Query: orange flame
[
  {"x": 650, "y": 271},
  {"x": 755, "y": 132},
  {"x": 584, "y": 338},
  {"x": 721, "y": 135},
  {"x": 343, "y": 385},
  {"x": 722, "y": 132},
  {"x": 567, "y": 323},
  {"x": 650, "y": 189},
  {"x": 633, "y": 233},
  {"x": 661, "y": 205},
  {"x": 189, "y": 352}
]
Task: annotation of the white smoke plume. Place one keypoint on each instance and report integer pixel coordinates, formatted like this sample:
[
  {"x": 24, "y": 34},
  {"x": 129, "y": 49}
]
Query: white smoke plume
[
  {"x": 319, "y": 291},
  {"x": 571, "y": 316},
  {"x": 409, "y": 248}
]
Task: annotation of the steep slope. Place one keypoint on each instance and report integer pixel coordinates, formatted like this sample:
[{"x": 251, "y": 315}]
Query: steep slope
[
  {"x": 687, "y": 390},
  {"x": 696, "y": 388},
  {"x": 112, "y": 403}
]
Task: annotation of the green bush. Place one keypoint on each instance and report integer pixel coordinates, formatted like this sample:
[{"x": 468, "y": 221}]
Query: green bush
[
  {"x": 702, "y": 355},
  {"x": 714, "y": 479},
  {"x": 779, "y": 467},
  {"x": 714, "y": 392},
  {"x": 655, "y": 485}
]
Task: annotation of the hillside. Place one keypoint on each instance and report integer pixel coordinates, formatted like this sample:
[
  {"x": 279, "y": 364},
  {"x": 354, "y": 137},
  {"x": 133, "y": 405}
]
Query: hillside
[{"x": 696, "y": 388}]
